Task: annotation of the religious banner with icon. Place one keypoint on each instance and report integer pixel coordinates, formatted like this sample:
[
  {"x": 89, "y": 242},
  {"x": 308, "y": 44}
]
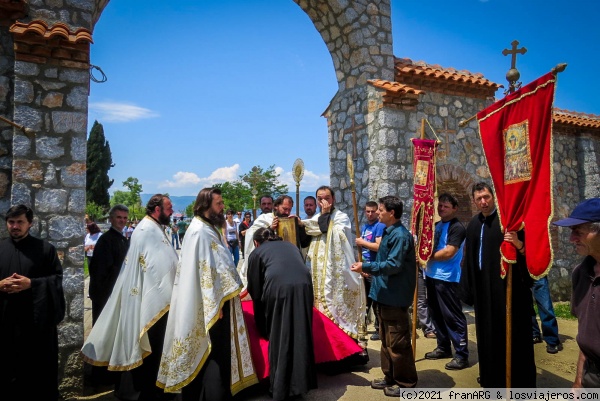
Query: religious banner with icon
[
  {"x": 424, "y": 188},
  {"x": 516, "y": 135}
]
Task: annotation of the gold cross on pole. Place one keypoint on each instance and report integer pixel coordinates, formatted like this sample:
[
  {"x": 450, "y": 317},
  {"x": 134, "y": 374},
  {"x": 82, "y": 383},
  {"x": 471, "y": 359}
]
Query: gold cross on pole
[{"x": 353, "y": 130}]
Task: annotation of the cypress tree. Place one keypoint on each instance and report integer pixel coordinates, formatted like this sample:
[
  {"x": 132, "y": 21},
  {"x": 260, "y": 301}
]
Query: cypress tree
[{"x": 99, "y": 161}]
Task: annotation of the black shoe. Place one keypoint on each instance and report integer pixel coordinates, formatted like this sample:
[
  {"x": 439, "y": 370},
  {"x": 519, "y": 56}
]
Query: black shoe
[
  {"x": 457, "y": 364},
  {"x": 393, "y": 391},
  {"x": 537, "y": 340},
  {"x": 375, "y": 337},
  {"x": 382, "y": 383},
  {"x": 553, "y": 349},
  {"x": 438, "y": 354}
]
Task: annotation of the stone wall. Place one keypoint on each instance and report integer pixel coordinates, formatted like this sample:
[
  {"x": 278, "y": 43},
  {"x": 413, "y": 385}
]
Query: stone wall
[
  {"x": 6, "y": 109},
  {"x": 44, "y": 86},
  {"x": 49, "y": 176}
]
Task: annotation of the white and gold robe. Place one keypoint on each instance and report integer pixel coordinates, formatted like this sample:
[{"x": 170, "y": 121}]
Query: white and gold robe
[
  {"x": 206, "y": 279},
  {"x": 339, "y": 292},
  {"x": 263, "y": 221},
  {"x": 140, "y": 297}
]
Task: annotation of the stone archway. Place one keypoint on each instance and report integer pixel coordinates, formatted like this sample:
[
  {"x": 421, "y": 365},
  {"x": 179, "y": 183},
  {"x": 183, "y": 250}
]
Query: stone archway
[
  {"x": 458, "y": 182},
  {"x": 44, "y": 85}
]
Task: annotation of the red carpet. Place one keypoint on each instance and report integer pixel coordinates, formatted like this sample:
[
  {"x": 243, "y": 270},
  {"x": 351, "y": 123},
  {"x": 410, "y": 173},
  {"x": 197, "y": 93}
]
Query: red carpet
[{"x": 330, "y": 342}]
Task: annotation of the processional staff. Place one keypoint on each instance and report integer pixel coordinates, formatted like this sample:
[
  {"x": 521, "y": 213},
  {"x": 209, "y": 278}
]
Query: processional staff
[
  {"x": 298, "y": 173},
  {"x": 362, "y": 329}
]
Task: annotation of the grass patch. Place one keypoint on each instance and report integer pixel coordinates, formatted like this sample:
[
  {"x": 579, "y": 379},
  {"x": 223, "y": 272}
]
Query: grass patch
[
  {"x": 563, "y": 310},
  {"x": 86, "y": 271}
]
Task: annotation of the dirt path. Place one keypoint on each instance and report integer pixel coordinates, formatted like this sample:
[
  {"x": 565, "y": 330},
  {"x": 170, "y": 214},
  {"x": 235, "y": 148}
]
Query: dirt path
[{"x": 553, "y": 371}]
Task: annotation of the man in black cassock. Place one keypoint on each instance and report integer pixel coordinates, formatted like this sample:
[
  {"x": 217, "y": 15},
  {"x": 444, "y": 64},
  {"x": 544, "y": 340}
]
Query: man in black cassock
[
  {"x": 486, "y": 291},
  {"x": 280, "y": 285},
  {"x": 109, "y": 254},
  {"x": 32, "y": 304},
  {"x": 104, "y": 268}
]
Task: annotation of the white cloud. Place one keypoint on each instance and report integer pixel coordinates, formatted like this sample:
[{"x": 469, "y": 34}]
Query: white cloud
[
  {"x": 120, "y": 112},
  {"x": 184, "y": 179},
  {"x": 310, "y": 181}
]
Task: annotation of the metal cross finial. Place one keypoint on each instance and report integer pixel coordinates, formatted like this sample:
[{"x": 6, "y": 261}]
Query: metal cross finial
[{"x": 513, "y": 75}]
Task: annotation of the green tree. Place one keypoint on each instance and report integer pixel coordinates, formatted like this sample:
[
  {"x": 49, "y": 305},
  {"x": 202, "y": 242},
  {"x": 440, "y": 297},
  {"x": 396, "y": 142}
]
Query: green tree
[
  {"x": 189, "y": 210},
  {"x": 131, "y": 198},
  {"x": 266, "y": 182},
  {"x": 237, "y": 194},
  {"x": 99, "y": 161},
  {"x": 94, "y": 211}
]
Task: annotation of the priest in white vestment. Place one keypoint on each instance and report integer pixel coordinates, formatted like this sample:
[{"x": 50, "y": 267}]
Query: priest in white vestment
[
  {"x": 339, "y": 292},
  {"x": 206, "y": 354},
  {"x": 282, "y": 208},
  {"x": 129, "y": 332}
]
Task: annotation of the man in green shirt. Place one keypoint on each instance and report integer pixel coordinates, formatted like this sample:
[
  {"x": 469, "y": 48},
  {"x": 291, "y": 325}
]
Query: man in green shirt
[{"x": 182, "y": 226}]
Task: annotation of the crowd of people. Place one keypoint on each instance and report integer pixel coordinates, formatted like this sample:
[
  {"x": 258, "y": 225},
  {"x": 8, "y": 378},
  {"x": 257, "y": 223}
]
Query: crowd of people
[{"x": 196, "y": 321}]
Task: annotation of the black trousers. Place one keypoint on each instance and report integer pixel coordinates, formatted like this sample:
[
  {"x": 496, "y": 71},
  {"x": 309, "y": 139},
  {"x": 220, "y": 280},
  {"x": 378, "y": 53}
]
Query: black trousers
[{"x": 213, "y": 382}]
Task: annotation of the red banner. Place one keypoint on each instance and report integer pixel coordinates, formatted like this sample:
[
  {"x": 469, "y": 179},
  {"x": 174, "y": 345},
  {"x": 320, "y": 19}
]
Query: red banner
[
  {"x": 423, "y": 211},
  {"x": 516, "y": 134}
]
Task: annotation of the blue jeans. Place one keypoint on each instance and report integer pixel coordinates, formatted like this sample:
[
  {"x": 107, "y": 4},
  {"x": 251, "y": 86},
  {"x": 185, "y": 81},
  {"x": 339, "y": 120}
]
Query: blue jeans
[
  {"x": 175, "y": 240},
  {"x": 541, "y": 295},
  {"x": 235, "y": 252}
]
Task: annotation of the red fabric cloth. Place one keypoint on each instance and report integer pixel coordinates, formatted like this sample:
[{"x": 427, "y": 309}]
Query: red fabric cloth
[
  {"x": 516, "y": 134},
  {"x": 330, "y": 343},
  {"x": 423, "y": 211}
]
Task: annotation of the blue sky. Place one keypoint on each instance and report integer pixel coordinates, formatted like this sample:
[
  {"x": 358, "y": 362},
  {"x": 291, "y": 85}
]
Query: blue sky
[{"x": 200, "y": 91}]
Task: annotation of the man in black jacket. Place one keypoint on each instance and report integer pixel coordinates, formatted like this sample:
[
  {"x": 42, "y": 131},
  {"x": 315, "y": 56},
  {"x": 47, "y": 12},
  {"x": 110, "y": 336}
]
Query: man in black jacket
[{"x": 109, "y": 254}]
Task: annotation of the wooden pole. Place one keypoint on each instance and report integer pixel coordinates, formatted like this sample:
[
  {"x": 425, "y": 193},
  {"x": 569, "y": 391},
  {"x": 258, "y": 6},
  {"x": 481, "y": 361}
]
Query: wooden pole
[
  {"x": 509, "y": 278},
  {"x": 18, "y": 126}
]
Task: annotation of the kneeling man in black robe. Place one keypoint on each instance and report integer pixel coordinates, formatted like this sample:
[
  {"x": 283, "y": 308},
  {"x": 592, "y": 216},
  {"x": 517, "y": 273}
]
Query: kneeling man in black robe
[{"x": 280, "y": 285}]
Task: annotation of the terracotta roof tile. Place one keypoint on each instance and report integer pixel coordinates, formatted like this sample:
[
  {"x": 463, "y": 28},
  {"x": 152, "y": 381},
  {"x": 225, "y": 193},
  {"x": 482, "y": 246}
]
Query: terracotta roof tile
[
  {"x": 436, "y": 78},
  {"x": 59, "y": 30},
  {"x": 395, "y": 87},
  {"x": 575, "y": 119},
  {"x": 396, "y": 94},
  {"x": 37, "y": 43},
  {"x": 11, "y": 10}
]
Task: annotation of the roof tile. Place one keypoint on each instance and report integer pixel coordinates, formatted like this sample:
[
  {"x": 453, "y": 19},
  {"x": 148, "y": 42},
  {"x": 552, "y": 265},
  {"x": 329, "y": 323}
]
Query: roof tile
[
  {"x": 434, "y": 77},
  {"x": 576, "y": 119}
]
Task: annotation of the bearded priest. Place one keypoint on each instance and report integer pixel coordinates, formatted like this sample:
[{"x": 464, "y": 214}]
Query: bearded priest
[{"x": 206, "y": 354}]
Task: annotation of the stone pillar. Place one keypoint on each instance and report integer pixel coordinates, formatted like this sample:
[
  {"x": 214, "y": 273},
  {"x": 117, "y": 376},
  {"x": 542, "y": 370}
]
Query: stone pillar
[
  {"x": 588, "y": 155},
  {"x": 359, "y": 38},
  {"x": 48, "y": 171}
]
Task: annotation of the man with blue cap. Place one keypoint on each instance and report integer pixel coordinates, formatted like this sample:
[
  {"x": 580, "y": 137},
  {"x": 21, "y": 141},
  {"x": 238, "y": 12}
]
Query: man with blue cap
[{"x": 584, "y": 222}]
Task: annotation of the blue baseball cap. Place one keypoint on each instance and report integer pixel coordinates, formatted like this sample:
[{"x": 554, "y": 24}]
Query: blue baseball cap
[{"x": 587, "y": 211}]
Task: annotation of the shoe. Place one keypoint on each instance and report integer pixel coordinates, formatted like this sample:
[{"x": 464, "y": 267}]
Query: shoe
[
  {"x": 553, "y": 349},
  {"x": 438, "y": 354},
  {"x": 380, "y": 384},
  {"x": 457, "y": 364},
  {"x": 375, "y": 337},
  {"x": 393, "y": 391},
  {"x": 431, "y": 334},
  {"x": 537, "y": 340}
]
